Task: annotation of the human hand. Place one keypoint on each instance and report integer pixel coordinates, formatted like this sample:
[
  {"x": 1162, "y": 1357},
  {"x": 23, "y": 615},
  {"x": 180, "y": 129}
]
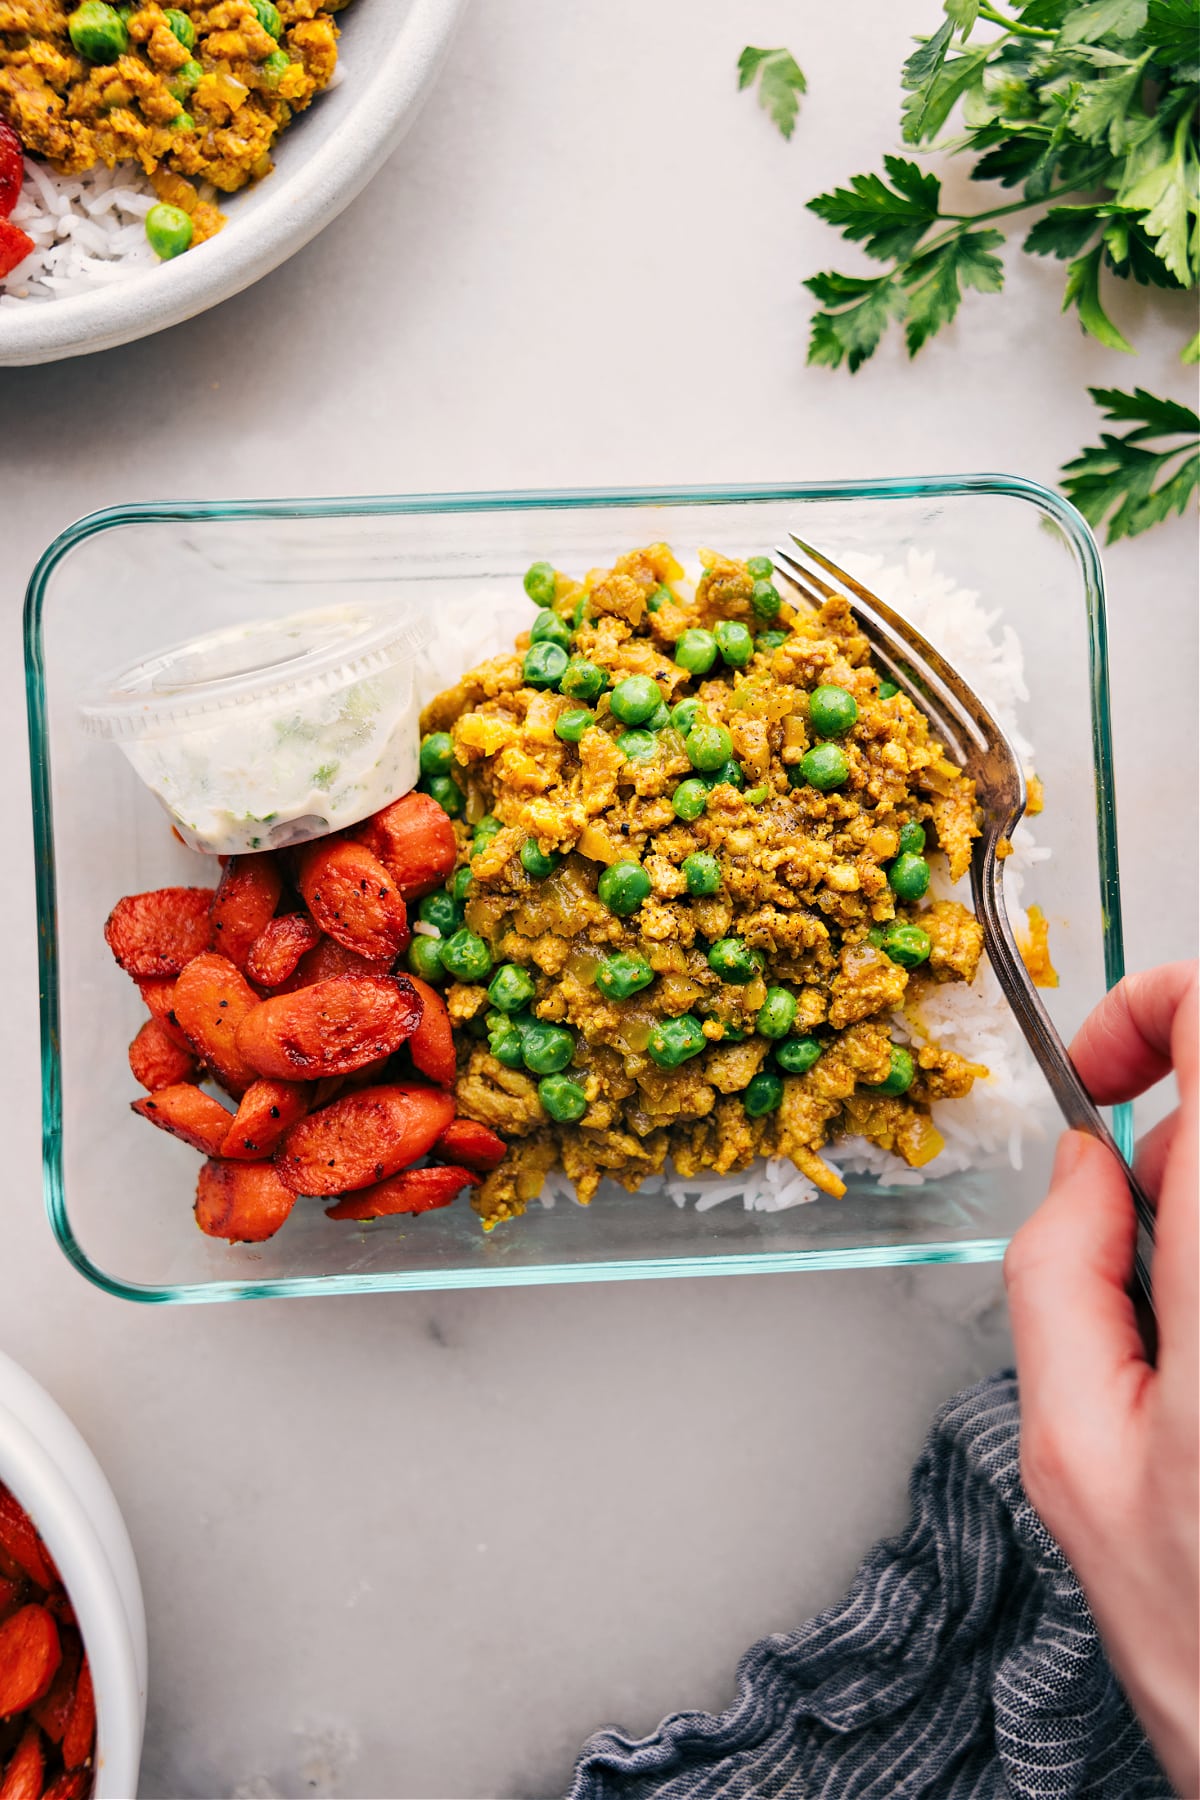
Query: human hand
[{"x": 1109, "y": 1453}]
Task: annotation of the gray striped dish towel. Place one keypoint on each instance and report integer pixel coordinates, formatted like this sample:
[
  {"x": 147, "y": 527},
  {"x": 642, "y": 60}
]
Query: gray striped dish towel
[{"x": 962, "y": 1663}]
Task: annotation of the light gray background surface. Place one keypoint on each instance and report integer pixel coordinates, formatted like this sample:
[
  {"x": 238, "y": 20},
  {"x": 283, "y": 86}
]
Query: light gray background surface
[{"x": 409, "y": 1546}]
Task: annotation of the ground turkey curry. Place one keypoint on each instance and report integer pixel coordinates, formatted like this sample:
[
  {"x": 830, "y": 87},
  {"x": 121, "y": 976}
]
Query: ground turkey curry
[
  {"x": 694, "y": 834},
  {"x": 196, "y": 93}
]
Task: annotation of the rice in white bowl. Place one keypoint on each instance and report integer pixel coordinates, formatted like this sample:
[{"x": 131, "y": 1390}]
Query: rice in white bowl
[
  {"x": 986, "y": 1129},
  {"x": 88, "y": 231}
]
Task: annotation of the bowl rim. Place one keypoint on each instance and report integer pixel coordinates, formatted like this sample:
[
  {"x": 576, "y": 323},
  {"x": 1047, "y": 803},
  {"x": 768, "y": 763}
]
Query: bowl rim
[
  {"x": 1058, "y": 511},
  {"x": 282, "y": 222}
]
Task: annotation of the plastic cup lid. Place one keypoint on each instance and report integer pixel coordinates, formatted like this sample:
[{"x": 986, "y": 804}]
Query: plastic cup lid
[{"x": 308, "y": 653}]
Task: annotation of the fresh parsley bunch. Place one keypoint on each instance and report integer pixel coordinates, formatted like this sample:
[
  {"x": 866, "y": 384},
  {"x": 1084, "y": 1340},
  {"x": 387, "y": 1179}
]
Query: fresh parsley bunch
[{"x": 1089, "y": 111}]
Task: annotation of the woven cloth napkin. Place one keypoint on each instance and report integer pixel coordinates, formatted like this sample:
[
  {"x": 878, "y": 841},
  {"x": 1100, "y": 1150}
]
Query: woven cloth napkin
[{"x": 963, "y": 1662}]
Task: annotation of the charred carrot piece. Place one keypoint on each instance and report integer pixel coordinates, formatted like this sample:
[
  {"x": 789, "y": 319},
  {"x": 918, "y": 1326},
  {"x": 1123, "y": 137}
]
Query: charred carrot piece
[
  {"x": 159, "y": 933},
  {"x": 19, "y": 1538},
  {"x": 362, "y": 1138},
  {"x": 352, "y": 897},
  {"x": 211, "y": 1000},
  {"x": 264, "y": 1113},
  {"x": 328, "y": 958},
  {"x": 244, "y": 903},
  {"x": 432, "y": 1043},
  {"x": 414, "y": 840},
  {"x": 331, "y": 1028},
  {"x": 467, "y": 1141},
  {"x": 72, "y": 1784},
  {"x": 186, "y": 1113},
  {"x": 53, "y": 1710},
  {"x": 156, "y": 1059},
  {"x": 29, "y": 1656},
  {"x": 412, "y": 1191},
  {"x": 80, "y": 1733},
  {"x": 277, "y": 949},
  {"x": 243, "y": 1201},
  {"x": 11, "y": 1594},
  {"x": 158, "y": 991},
  {"x": 26, "y": 1768}
]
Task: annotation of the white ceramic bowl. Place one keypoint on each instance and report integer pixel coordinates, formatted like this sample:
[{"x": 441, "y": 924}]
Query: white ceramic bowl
[
  {"x": 390, "y": 52},
  {"x": 51, "y": 1471}
]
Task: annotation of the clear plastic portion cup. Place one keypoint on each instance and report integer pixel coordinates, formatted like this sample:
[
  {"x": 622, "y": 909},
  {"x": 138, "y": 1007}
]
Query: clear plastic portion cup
[{"x": 264, "y": 734}]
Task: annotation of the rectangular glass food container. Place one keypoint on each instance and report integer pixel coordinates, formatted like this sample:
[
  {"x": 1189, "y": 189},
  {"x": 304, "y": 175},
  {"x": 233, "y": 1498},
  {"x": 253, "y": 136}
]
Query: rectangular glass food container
[{"x": 125, "y": 581}]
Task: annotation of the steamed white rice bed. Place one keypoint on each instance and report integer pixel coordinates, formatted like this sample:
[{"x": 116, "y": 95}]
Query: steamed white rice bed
[
  {"x": 88, "y": 231},
  {"x": 989, "y": 1127}
]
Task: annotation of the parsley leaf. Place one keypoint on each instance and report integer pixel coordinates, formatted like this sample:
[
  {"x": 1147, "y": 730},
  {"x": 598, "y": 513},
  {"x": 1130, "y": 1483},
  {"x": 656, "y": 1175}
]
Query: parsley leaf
[
  {"x": 1083, "y": 292},
  {"x": 780, "y": 83},
  {"x": 1116, "y": 479},
  {"x": 935, "y": 282},
  {"x": 856, "y": 311},
  {"x": 887, "y": 221}
]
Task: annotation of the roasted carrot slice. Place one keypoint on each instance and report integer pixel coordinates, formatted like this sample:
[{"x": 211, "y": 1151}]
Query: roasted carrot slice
[
  {"x": 27, "y": 1765},
  {"x": 414, "y": 840},
  {"x": 72, "y": 1784},
  {"x": 189, "y": 1114},
  {"x": 159, "y": 933},
  {"x": 277, "y": 949},
  {"x": 80, "y": 1733},
  {"x": 432, "y": 1043},
  {"x": 29, "y": 1656},
  {"x": 412, "y": 1191},
  {"x": 157, "y": 1061},
  {"x": 467, "y": 1141},
  {"x": 331, "y": 1028},
  {"x": 211, "y": 1000},
  {"x": 12, "y": 1592},
  {"x": 328, "y": 959},
  {"x": 21, "y": 1542},
  {"x": 352, "y": 897},
  {"x": 244, "y": 903},
  {"x": 53, "y": 1710},
  {"x": 243, "y": 1201},
  {"x": 158, "y": 991},
  {"x": 263, "y": 1115},
  {"x": 362, "y": 1138}
]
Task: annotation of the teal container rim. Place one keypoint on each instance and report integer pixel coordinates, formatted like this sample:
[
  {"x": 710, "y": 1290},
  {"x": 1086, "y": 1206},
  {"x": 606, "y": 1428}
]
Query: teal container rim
[{"x": 932, "y": 487}]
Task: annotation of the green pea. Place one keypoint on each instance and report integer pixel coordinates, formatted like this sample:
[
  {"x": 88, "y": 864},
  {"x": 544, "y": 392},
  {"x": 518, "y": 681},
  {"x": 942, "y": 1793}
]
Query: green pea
[
  {"x": 571, "y": 724},
  {"x": 169, "y": 230},
  {"x": 702, "y": 873},
  {"x": 425, "y": 958},
  {"x": 832, "y": 710},
  {"x": 733, "y": 960},
  {"x": 548, "y": 628},
  {"x": 460, "y": 883},
  {"x": 623, "y": 886},
  {"x": 877, "y": 934},
  {"x": 912, "y": 839},
  {"x": 544, "y": 665},
  {"x": 268, "y": 17},
  {"x": 824, "y": 767},
  {"x": 98, "y": 32},
  {"x": 637, "y": 746},
  {"x": 535, "y": 861},
  {"x": 732, "y": 1034},
  {"x": 729, "y": 775},
  {"x": 690, "y": 799},
  {"x": 685, "y": 714},
  {"x": 546, "y": 1048},
  {"x": 756, "y": 795},
  {"x": 777, "y": 1014},
  {"x": 660, "y": 718},
  {"x": 633, "y": 700},
  {"x": 183, "y": 121},
  {"x": 185, "y": 79},
  {"x": 564, "y": 1100},
  {"x": 907, "y": 945},
  {"x": 437, "y": 753},
  {"x": 798, "y": 1055},
  {"x": 899, "y": 1077},
  {"x": 579, "y": 612},
  {"x": 622, "y": 975},
  {"x": 505, "y": 1043},
  {"x": 541, "y": 583},
  {"x": 181, "y": 26},
  {"x": 760, "y": 568},
  {"x": 735, "y": 643},
  {"x": 764, "y": 598},
  {"x": 442, "y": 911},
  {"x": 763, "y": 1094},
  {"x": 673, "y": 1041},
  {"x": 888, "y": 690},
  {"x": 582, "y": 680},
  {"x": 485, "y": 830},
  {"x": 696, "y": 651},
  {"x": 466, "y": 956},
  {"x": 908, "y": 876},
  {"x": 511, "y": 988},
  {"x": 708, "y": 746},
  {"x": 766, "y": 641},
  {"x": 662, "y": 596}
]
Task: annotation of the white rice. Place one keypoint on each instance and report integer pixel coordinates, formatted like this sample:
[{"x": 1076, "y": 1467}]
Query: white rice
[
  {"x": 88, "y": 231},
  {"x": 989, "y": 1127}
]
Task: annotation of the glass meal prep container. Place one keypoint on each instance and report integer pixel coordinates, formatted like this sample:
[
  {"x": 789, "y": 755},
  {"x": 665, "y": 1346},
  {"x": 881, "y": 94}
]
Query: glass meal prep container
[{"x": 116, "y": 585}]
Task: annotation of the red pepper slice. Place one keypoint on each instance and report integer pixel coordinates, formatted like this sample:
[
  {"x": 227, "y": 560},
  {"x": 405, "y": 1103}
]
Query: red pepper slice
[
  {"x": 12, "y": 169},
  {"x": 14, "y": 247}
]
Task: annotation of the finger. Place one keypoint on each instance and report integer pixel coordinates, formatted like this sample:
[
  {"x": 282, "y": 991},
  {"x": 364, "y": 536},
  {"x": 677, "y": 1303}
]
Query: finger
[
  {"x": 1153, "y": 1151},
  {"x": 1124, "y": 1046},
  {"x": 1177, "y": 1227},
  {"x": 1080, "y": 1359}
]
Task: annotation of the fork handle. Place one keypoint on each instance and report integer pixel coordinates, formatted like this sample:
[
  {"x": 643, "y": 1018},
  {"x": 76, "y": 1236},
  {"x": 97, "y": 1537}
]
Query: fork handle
[{"x": 1076, "y": 1104}]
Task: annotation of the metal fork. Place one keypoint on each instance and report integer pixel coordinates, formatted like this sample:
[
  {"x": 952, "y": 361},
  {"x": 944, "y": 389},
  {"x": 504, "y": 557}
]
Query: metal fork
[{"x": 976, "y": 742}]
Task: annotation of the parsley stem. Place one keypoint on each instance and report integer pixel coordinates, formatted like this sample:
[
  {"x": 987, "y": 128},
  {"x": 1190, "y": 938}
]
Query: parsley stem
[
  {"x": 1079, "y": 185},
  {"x": 998, "y": 18}
]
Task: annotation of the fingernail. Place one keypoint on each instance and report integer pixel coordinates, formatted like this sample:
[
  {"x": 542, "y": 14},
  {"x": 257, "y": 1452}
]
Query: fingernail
[{"x": 1072, "y": 1147}]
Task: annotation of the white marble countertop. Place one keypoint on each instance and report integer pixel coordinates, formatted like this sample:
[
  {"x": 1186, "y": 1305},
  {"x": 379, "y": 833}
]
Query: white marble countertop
[{"x": 418, "y": 1546}]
